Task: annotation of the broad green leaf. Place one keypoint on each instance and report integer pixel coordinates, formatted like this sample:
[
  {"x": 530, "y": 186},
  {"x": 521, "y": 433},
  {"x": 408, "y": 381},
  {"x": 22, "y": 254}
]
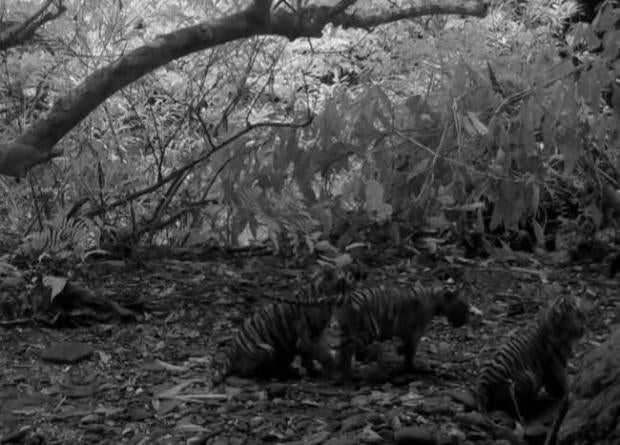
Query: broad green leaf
[
  {"x": 281, "y": 157},
  {"x": 357, "y": 245},
  {"x": 445, "y": 195},
  {"x": 469, "y": 207},
  {"x": 419, "y": 168},
  {"x": 438, "y": 222},
  {"x": 611, "y": 46},
  {"x": 375, "y": 206},
  {"x": 570, "y": 147},
  {"x": 615, "y": 100},
  {"x": 509, "y": 205},
  {"x": 386, "y": 121},
  {"x": 352, "y": 188},
  {"x": 368, "y": 106},
  {"x": 468, "y": 126},
  {"x": 539, "y": 233},
  {"x": 365, "y": 131},
  {"x": 459, "y": 81},
  {"x": 324, "y": 215},
  {"x": 595, "y": 214},
  {"x": 292, "y": 145},
  {"x": 342, "y": 260},
  {"x": 527, "y": 128},
  {"x": 535, "y": 198},
  {"x": 330, "y": 123},
  {"x": 303, "y": 175},
  {"x": 335, "y": 157},
  {"x": 589, "y": 89},
  {"x": 548, "y": 134},
  {"x": 384, "y": 112},
  {"x": 476, "y": 76},
  {"x": 481, "y": 129},
  {"x": 414, "y": 104},
  {"x": 497, "y": 218},
  {"x": 374, "y": 193},
  {"x": 606, "y": 19},
  {"x": 563, "y": 69}
]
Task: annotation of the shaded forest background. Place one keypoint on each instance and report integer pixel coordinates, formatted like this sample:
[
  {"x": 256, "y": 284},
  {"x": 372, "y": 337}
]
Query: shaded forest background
[
  {"x": 496, "y": 124},
  {"x": 164, "y": 165}
]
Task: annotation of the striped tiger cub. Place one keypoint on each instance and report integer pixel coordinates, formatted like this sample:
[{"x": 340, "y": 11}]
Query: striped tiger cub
[
  {"x": 535, "y": 357},
  {"x": 379, "y": 313},
  {"x": 268, "y": 342}
]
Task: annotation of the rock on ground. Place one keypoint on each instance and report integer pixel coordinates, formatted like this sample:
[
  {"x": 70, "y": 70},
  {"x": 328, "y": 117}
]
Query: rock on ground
[{"x": 594, "y": 416}]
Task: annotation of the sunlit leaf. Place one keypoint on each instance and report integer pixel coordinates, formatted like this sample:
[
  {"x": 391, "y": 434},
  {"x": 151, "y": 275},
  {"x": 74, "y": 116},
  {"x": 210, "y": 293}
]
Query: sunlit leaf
[
  {"x": 468, "y": 126},
  {"x": 570, "y": 147},
  {"x": 419, "y": 168},
  {"x": 469, "y": 207},
  {"x": 330, "y": 124},
  {"x": 375, "y": 205},
  {"x": 548, "y": 134},
  {"x": 539, "y": 233},
  {"x": 481, "y": 129},
  {"x": 459, "y": 81},
  {"x": 535, "y": 198},
  {"x": 527, "y": 128}
]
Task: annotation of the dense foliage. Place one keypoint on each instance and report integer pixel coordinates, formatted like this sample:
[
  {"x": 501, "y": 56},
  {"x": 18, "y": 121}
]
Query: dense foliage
[{"x": 460, "y": 124}]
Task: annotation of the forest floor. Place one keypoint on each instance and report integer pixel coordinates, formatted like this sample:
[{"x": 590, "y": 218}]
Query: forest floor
[{"x": 149, "y": 381}]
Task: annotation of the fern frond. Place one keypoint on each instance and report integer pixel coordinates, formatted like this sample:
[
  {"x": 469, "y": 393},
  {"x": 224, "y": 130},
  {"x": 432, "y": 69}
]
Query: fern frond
[{"x": 60, "y": 237}]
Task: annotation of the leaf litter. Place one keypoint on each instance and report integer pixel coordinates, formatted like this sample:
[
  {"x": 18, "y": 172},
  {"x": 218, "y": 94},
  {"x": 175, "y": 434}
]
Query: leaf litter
[{"x": 148, "y": 379}]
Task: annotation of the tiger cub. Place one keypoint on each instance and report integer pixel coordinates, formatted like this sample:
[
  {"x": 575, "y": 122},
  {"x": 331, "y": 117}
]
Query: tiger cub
[
  {"x": 268, "y": 342},
  {"x": 379, "y": 313},
  {"x": 535, "y": 357}
]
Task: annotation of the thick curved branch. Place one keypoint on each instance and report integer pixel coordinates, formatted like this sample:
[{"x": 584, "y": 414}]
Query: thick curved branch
[
  {"x": 470, "y": 8},
  {"x": 35, "y": 145},
  {"x": 19, "y": 33},
  {"x": 310, "y": 21}
]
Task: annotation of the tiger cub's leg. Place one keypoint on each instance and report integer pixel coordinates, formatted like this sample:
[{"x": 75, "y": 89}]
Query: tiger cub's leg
[
  {"x": 316, "y": 350},
  {"x": 307, "y": 361},
  {"x": 260, "y": 364},
  {"x": 555, "y": 380},
  {"x": 370, "y": 353},
  {"x": 310, "y": 346},
  {"x": 280, "y": 370},
  {"x": 346, "y": 351},
  {"x": 513, "y": 394},
  {"x": 409, "y": 348}
]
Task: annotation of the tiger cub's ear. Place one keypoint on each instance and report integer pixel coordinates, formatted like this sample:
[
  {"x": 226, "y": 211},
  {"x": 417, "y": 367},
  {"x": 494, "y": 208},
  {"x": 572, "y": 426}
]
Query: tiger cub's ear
[
  {"x": 355, "y": 272},
  {"x": 342, "y": 269},
  {"x": 329, "y": 278},
  {"x": 455, "y": 307}
]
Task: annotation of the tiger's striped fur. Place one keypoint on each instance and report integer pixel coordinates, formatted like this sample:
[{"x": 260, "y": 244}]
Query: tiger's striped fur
[
  {"x": 379, "y": 313},
  {"x": 268, "y": 341},
  {"x": 535, "y": 357}
]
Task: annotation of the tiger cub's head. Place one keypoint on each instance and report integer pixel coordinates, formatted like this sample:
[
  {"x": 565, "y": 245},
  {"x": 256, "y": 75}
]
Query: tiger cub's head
[
  {"x": 452, "y": 305},
  {"x": 331, "y": 280},
  {"x": 565, "y": 319}
]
